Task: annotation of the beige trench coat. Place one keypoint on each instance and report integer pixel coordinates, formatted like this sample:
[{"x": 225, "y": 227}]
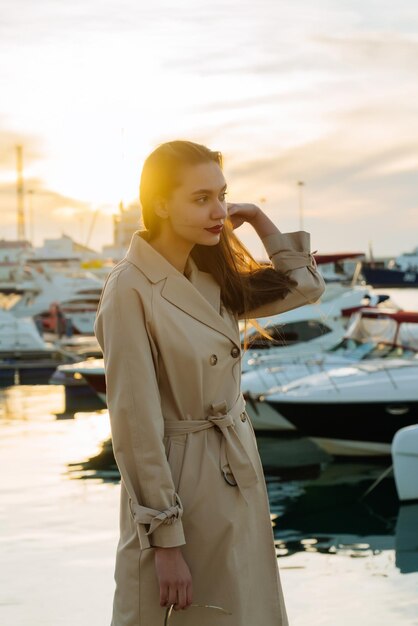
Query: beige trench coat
[{"x": 185, "y": 447}]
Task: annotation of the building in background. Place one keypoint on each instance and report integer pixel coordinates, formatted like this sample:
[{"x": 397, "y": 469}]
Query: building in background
[{"x": 125, "y": 223}]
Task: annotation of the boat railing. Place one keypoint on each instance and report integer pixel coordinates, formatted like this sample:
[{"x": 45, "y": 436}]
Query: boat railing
[{"x": 387, "y": 367}]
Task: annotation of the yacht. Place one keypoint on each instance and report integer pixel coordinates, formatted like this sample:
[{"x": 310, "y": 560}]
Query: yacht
[
  {"x": 307, "y": 330},
  {"x": 399, "y": 272},
  {"x": 25, "y": 358},
  {"x": 83, "y": 381},
  {"x": 373, "y": 333},
  {"x": 76, "y": 291},
  {"x": 405, "y": 462},
  {"x": 352, "y": 410},
  {"x": 32, "y": 279}
]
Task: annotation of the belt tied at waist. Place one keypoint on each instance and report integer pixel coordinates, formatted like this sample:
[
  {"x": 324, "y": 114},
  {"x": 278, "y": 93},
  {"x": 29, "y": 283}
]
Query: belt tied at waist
[{"x": 235, "y": 463}]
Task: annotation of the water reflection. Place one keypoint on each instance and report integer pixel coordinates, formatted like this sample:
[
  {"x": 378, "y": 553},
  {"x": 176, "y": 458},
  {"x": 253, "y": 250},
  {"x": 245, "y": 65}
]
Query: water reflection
[
  {"x": 329, "y": 512},
  {"x": 322, "y": 508},
  {"x": 100, "y": 466},
  {"x": 406, "y": 538},
  {"x": 332, "y": 515}
]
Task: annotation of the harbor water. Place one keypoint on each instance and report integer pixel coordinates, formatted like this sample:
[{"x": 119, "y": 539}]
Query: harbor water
[{"x": 347, "y": 549}]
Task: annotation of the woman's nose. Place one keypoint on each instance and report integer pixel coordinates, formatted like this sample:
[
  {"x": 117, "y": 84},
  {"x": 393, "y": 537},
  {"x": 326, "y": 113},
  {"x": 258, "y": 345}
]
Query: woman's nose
[{"x": 220, "y": 210}]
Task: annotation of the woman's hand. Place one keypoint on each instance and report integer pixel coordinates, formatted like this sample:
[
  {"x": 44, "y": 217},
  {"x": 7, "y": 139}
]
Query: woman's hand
[
  {"x": 240, "y": 212},
  {"x": 174, "y": 578}
]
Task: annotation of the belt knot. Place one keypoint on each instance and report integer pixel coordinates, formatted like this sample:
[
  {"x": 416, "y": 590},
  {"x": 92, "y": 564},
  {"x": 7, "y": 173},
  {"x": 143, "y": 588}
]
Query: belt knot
[{"x": 236, "y": 466}]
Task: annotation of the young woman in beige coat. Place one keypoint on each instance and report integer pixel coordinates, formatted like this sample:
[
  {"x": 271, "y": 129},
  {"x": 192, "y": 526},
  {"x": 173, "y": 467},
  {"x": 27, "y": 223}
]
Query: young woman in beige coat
[{"x": 194, "y": 514}]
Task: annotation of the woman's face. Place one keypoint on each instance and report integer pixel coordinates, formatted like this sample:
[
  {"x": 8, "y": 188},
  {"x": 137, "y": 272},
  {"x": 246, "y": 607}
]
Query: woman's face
[{"x": 197, "y": 205}]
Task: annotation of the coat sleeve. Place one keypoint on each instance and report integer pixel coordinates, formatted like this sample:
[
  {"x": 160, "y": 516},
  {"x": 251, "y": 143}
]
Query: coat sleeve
[
  {"x": 290, "y": 253},
  {"x": 137, "y": 423}
]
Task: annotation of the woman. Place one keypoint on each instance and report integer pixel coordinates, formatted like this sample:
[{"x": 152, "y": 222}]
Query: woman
[{"x": 194, "y": 515}]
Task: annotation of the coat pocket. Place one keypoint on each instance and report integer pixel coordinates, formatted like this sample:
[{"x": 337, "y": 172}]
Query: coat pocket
[{"x": 175, "y": 456}]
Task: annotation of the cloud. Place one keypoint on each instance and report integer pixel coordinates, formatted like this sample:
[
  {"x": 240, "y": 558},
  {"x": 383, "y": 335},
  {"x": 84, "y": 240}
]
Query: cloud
[
  {"x": 49, "y": 208},
  {"x": 355, "y": 191},
  {"x": 386, "y": 50}
]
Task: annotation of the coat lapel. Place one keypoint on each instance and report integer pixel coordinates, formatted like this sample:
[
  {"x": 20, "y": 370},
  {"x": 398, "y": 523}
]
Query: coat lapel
[
  {"x": 196, "y": 293},
  {"x": 186, "y": 296}
]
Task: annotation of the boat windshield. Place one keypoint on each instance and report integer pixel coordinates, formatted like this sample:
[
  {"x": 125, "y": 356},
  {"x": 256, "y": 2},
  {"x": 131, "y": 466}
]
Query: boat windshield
[
  {"x": 385, "y": 351},
  {"x": 289, "y": 334},
  {"x": 357, "y": 350},
  {"x": 352, "y": 348}
]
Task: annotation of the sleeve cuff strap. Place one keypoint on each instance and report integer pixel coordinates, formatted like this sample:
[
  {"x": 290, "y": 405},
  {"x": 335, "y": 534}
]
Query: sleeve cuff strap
[
  {"x": 164, "y": 526},
  {"x": 299, "y": 241},
  {"x": 290, "y": 251}
]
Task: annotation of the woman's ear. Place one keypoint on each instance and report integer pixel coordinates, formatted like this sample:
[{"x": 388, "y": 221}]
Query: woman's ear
[{"x": 160, "y": 208}]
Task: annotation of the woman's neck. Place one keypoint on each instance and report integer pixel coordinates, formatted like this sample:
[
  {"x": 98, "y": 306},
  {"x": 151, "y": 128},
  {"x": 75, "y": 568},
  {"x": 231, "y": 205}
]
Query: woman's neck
[{"x": 174, "y": 250}]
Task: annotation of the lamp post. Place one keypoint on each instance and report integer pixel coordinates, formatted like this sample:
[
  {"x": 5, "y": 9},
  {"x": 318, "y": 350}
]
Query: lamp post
[
  {"x": 262, "y": 201},
  {"x": 20, "y": 194},
  {"x": 30, "y": 198},
  {"x": 301, "y": 185}
]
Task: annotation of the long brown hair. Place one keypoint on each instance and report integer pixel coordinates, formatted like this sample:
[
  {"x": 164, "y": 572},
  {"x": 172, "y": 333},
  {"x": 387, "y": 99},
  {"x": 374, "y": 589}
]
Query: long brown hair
[{"x": 245, "y": 283}]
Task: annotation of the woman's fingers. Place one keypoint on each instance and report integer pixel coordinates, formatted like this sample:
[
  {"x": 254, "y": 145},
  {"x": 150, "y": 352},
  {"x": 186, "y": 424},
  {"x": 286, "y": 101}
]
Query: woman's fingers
[
  {"x": 182, "y": 598},
  {"x": 172, "y": 596},
  {"x": 189, "y": 594},
  {"x": 240, "y": 212},
  {"x": 163, "y": 595}
]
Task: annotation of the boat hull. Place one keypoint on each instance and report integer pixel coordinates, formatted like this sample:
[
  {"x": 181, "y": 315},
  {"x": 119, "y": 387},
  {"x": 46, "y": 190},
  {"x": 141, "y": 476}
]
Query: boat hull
[
  {"x": 350, "y": 429},
  {"x": 381, "y": 277},
  {"x": 265, "y": 418},
  {"x": 26, "y": 373}
]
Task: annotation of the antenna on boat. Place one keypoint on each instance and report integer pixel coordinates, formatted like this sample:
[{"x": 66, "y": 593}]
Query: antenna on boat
[
  {"x": 371, "y": 255},
  {"x": 301, "y": 185}
]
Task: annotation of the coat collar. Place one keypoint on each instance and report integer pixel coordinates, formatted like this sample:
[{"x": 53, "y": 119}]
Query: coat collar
[{"x": 194, "y": 292}]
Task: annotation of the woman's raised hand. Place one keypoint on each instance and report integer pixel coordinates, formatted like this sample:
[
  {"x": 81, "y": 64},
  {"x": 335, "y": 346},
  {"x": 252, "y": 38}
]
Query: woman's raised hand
[
  {"x": 240, "y": 212},
  {"x": 174, "y": 578}
]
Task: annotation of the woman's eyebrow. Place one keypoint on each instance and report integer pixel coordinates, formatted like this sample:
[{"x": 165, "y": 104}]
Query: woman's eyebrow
[{"x": 206, "y": 190}]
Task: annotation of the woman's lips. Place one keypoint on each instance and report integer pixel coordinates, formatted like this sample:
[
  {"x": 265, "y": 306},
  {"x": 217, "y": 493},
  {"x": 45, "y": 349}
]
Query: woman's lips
[{"x": 215, "y": 229}]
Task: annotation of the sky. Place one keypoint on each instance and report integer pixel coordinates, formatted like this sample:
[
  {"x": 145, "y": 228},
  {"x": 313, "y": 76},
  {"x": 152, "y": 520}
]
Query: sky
[{"x": 325, "y": 93}]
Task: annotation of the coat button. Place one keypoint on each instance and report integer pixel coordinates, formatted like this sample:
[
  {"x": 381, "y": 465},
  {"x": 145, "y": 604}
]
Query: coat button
[
  {"x": 213, "y": 359},
  {"x": 235, "y": 352},
  {"x": 243, "y": 417}
]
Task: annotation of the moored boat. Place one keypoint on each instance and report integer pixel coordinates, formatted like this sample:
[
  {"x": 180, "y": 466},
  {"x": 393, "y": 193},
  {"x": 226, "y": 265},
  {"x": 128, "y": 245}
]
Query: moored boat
[
  {"x": 353, "y": 410},
  {"x": 373, "y": 333},
  {"x": 25, "y": 358},
  {"x": 405, "y": 462},
  {"x": 400, "y": 272},
  {"x": 79, "y": 392},
  {"x": 307, "y": 330}
]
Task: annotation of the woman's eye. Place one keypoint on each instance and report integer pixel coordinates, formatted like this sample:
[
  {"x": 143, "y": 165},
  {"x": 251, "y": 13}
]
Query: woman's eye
[{"x": 203, "y": 199}]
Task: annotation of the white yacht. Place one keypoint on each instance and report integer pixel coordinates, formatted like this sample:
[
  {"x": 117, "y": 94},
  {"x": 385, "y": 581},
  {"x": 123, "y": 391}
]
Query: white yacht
[
  {"x": 32, "y": 279},
  {"x": 77, "y": 292},
  {"x": 405, "y": 462},
  {"x": 373, "y": 333},
  {"x": 25, "y": 358},
  {"x": 307, "y": 330},
  {"x": 354, "y": 410}
]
